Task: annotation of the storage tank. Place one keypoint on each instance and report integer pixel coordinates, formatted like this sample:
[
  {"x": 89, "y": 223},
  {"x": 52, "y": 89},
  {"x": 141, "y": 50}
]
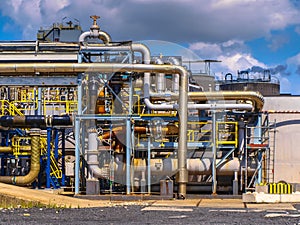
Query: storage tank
[{"x": 262, "y": 83}]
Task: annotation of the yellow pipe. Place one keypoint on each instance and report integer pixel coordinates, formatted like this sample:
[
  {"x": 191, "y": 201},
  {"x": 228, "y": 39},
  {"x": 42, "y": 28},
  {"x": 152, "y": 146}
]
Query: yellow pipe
[
  {"x": 6, "y": 149},
  {"x": 34, "y": 164}
]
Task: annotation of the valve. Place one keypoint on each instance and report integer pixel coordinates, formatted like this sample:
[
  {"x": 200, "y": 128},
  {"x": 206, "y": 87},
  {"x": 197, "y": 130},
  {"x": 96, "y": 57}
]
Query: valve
[{"x": 95, "y": 25}]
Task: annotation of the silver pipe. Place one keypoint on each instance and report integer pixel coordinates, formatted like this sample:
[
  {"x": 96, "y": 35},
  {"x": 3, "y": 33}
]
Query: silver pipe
[
  {"x": 105, "y": 37},
  {"x": 195, "y": 166},
  {"x": 247, "y": 107},
  {"x": 160, "y": 78},
  {"x": 92, "y": 156},
  {"x": 214, "y": 152},
  {"x": 175, "y": 81},
  {"x": 182, "y": 143}
]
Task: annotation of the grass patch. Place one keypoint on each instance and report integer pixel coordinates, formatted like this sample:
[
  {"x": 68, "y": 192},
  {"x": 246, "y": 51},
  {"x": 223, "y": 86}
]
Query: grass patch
[{"x": 7, "y": 202}]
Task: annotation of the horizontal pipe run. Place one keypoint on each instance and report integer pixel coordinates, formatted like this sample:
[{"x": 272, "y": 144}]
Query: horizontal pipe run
[
  {"x": 37, "y": 121},
  {"x": 18, "y": 68},
  {"x": 255, "y": 97}
]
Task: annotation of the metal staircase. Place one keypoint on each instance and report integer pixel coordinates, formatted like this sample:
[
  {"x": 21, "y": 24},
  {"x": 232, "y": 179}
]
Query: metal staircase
[{"x": 55, "y": 171}]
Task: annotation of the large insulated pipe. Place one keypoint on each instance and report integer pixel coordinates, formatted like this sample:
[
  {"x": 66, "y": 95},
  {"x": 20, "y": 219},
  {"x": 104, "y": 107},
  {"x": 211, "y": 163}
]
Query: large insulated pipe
[
  {"x": 252, "y": 96},
  {"x": 37, "y": 121},
  {"x": 195, "y": 166},
  {"x": 92, "y": 156},
  {"x": 34, "y": 163}
]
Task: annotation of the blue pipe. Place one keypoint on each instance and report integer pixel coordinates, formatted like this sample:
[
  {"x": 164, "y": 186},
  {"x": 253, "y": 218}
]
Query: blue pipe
[
  {"x": 48, "y": 170},
  {"x": 56, "y": 144},
  {"x": 63, "y": 152}
]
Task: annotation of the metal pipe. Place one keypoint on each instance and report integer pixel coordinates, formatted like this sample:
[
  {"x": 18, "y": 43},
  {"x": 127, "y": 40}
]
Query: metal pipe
[
  {"x": 77, "y": 134},
  {"x": 34, "y": 163},
  {"x": 182, "y": 143},
  {"x": 214, "y": 152},
  {"x": 37, "y": 121},
  {"x": 6, "y": 149},
  {"x": 95, "y": 32},
  {"x": 92, "y": 155},
  {"x": 128, "y": 155},
  {"x": 195, "y": 166},
  {"x": 105, "y": 37},
  {"x": 160, "y": 78},
  {"x": 175, "y": 81},
  {"x": 255, "y": 97}
]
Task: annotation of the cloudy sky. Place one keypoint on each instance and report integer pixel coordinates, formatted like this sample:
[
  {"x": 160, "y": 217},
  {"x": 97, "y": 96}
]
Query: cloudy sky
[{"x": 244, "y": 34}]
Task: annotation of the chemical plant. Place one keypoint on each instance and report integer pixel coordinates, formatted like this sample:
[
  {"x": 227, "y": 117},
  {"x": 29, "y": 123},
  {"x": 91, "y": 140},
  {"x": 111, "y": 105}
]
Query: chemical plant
[{"x": 88, "y": 115}]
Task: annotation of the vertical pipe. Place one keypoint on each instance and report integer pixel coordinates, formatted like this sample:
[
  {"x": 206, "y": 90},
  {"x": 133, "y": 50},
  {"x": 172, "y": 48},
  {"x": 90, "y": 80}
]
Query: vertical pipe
[
  {"x": 77, "y": 134},
  {"x": 128, "y": 154},
  {"x": 40, "y": 108},
  {"x": 48, "y": 169},
  {"x": 258, "y": 140},
  {"x": 130, "y": 96},
  {"x": 235, "y": 186},
  {"x": 182, "y": 145},
  {"x": 214, "y": 151},
  {"x": 63, "y": 152},
  {"x": 246, "y": 157},
  {"x": 148, "y": 165},
  {"x": 56, "y": 144},
  {"x": 112, "y": 169}
]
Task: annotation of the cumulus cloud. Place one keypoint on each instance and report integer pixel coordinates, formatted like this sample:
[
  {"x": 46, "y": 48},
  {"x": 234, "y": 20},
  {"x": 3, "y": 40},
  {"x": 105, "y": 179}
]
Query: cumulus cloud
[
  {"x": 216, "y": 29},
  {"x": 171, "y": 20}
]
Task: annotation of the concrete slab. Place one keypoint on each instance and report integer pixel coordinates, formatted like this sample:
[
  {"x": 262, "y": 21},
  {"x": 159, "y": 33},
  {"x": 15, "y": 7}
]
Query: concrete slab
[
  {"x": 181, "y": 203},
  {"x": 271, "y": 198},
  {"x": 221, "y": 203},
  {"x": 271, "y": 207}
]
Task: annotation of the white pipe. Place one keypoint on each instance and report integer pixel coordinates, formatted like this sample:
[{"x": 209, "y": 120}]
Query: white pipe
[
  {"x": 105, "y": 37},
  {"x": 160, "y": 78},
  {"x": 175, "y": 81},
  {"x": 197, "y": 166},
  {"x": 92, "y": 156}
]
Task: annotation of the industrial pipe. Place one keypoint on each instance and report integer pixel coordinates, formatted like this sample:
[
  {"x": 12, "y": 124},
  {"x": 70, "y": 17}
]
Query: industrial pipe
[
  {"x": 34, "y": 163},
  {"x": 37, "y": 121},
  {"x": 175, "y": 81},
  {"x": 255, "y": 97},
  {"x": 9, "y": 149},
  {"x": 92, "y": 156},
  {"x": 95, "y": 33}
]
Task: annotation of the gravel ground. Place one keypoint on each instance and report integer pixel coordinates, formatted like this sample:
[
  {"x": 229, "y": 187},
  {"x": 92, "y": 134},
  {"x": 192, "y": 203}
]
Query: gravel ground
[{"x": 133, "y": 214}]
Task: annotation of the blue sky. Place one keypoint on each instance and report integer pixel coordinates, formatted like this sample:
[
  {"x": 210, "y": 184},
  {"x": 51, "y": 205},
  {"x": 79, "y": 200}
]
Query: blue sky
[{"x": 243, "y": 34}]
